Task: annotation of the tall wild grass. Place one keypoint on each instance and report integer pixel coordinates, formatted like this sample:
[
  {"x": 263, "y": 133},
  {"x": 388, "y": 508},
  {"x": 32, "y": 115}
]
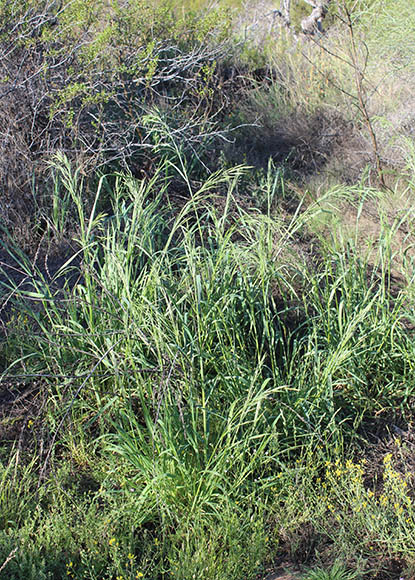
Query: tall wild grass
[{"x": 201, "y": 367}]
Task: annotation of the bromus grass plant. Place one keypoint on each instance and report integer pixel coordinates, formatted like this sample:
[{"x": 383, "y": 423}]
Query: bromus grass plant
[
  {"x": 209, "y": 385},
  {"x": 206, "y": 367}
]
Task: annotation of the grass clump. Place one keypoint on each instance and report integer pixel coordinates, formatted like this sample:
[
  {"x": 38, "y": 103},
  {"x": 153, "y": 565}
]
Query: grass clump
[
  {"x": 206, "y": 367},
  {"x": 337, "y": 572},
  {"x": 181, "y": 389}
]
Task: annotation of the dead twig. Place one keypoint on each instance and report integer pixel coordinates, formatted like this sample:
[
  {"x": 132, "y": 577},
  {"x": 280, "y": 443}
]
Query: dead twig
[{"x": 9, "y": 557}]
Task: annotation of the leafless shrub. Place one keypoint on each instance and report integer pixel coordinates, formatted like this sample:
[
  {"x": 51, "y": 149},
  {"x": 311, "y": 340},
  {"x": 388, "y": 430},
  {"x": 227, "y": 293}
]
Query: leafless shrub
[{"x": 82, "y": 82}]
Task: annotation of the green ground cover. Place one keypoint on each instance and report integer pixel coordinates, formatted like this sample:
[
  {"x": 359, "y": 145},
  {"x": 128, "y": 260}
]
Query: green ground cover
[{"x": 207, "y": 355}]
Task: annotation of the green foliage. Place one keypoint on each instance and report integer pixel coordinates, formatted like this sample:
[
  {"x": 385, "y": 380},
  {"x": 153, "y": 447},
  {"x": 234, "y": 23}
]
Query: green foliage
[
  {"x": 390, "y": 38},
  {"x": 337, "y": 572},
  {"x": 203, "y": 412},
  {"x": 196, "y": 383}
]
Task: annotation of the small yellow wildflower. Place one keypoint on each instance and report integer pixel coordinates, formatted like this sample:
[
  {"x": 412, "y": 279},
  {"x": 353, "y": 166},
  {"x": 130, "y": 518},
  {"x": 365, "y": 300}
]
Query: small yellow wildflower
[
  {"x": 30, "y": 423},
  {"x": 398, "y": 508},
  {"x": 112, "y": 541},
  {"x": 387, "y": 459},
  {"x": 130, "y": 556},
  {"x": 139, "y": 575}
]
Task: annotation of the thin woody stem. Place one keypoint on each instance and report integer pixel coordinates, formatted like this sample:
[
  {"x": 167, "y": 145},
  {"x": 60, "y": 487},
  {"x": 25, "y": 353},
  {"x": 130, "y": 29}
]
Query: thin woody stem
[{"x": 359, "y": 80}]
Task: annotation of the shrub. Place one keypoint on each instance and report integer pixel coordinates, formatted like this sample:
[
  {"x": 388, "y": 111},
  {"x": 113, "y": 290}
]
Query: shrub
[{"x": 80, "y": 76}]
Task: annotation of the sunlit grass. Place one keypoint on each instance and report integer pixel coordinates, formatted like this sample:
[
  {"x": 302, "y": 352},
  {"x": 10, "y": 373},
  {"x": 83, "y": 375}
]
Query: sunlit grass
[{"x": 189, "y": 392}]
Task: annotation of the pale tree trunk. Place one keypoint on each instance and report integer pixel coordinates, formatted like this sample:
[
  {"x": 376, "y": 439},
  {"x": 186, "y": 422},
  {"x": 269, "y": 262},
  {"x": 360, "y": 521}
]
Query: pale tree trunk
[
  {"x": 285, "y": 12},
  {"x": 314, "y": 23}
]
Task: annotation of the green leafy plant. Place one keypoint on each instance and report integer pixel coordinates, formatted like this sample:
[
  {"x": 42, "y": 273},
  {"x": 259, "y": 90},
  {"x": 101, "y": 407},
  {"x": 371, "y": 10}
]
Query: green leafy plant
[{"x": 336, "y": 572}]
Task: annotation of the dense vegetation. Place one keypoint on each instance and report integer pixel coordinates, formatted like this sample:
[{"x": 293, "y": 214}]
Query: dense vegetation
[{"x": 207, "y": 291}]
